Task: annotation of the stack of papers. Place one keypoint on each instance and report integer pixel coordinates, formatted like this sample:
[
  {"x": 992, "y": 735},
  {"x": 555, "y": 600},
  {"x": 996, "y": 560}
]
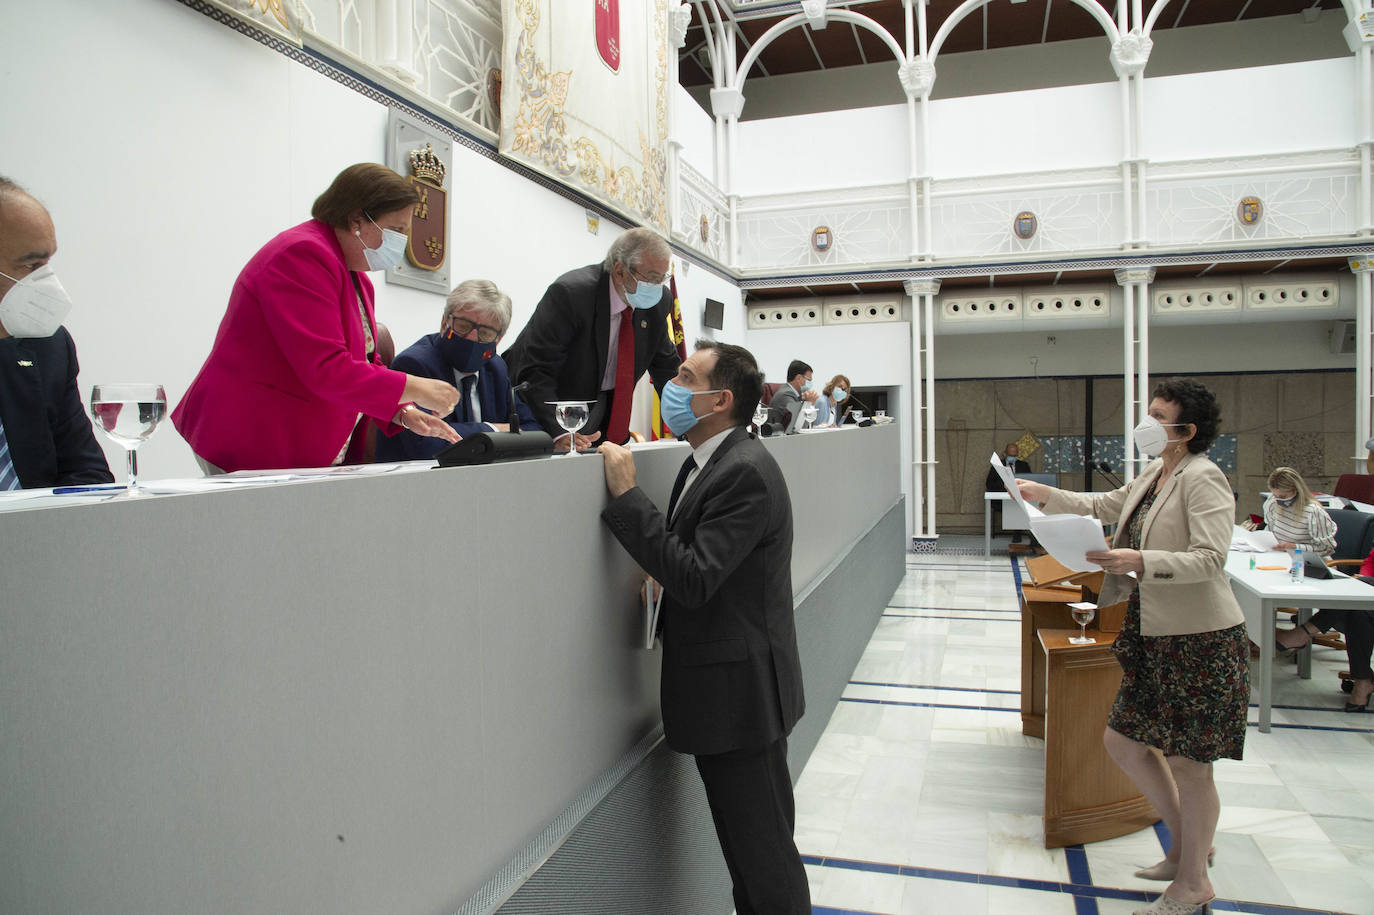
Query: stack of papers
[
  {"x": 1068, "y": 538},
  {"x": 1253, "y": 541}
]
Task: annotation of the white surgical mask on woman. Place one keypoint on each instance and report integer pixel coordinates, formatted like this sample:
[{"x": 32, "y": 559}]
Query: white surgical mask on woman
[
  {"x": 390, "y": 253},
  {"x": 1150, "y": 437}
]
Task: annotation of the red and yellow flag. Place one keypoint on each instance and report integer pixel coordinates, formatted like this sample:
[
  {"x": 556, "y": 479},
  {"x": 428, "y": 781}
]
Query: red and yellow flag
[{"x": 679, "y": 337}]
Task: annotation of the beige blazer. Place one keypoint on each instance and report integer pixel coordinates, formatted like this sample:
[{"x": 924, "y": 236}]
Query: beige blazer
[{"x": 1184, "y": 541}]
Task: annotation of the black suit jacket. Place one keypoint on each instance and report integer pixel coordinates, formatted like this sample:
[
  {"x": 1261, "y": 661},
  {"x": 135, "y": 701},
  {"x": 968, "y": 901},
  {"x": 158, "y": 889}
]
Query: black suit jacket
[
  {"x": 778, "y": 411},
  {"x": 51, "y": 440},
  {"x": 562, "y": 351},
  {"x": 994, "y": 482},
  {"x": 492, "y": 390},
  {"x": 731, "y": 673}
]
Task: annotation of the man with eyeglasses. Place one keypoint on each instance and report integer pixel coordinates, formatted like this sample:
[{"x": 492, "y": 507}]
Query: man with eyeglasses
[
  {"x": 463, "y": 353},
  {"x": 594, "y": 333}
]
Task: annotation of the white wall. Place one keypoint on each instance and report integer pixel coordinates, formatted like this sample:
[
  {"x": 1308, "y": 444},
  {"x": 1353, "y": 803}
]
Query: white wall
[
  {"x": 178, "y": 147},
  {"x": 696, "y": 131},
  {"x": 834, "y": 149}
]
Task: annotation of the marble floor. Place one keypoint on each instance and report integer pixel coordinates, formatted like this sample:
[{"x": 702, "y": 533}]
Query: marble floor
[{"x": 923, "y": 796}]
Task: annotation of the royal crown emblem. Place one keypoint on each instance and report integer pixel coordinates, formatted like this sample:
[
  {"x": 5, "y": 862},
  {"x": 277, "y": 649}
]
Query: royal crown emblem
[{"x": 429, "y": 219}]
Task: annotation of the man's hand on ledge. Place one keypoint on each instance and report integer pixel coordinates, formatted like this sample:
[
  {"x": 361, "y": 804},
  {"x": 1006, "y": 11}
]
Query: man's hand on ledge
[{"x": 620, "y": 469}]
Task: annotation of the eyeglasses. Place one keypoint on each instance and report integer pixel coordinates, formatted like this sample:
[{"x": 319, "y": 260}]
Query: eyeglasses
[
  {"x": 652, "y": 281},
  {"x": 485, "y": 332}
]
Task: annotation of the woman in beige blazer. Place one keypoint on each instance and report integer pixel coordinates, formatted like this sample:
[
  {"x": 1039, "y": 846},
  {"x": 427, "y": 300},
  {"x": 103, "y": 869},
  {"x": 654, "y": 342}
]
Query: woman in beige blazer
[{"x": 1183, "y": 650}]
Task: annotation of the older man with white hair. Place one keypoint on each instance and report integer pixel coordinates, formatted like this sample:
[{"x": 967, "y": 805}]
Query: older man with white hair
[
  {"x": 463, "y": 353},
  {"x": 595, "y": 332}
]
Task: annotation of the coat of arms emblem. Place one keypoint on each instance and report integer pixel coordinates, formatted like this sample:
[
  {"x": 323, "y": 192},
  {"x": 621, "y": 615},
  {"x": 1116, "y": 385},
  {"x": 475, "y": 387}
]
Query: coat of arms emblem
[
  {"x": 1025, "y": 225},
  {"x": 822, "y": 238},
  {"x": 429, "y": 220},
  {"x": 608, "y": 32},
  {"x": 1249, "y": 211}
]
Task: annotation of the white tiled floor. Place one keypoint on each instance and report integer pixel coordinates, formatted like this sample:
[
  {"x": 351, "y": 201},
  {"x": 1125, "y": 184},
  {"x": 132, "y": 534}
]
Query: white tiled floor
[{"x": 945, "y": 781}]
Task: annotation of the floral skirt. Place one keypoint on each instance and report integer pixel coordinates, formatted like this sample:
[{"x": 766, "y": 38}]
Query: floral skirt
[{"x": 1186, "y": 695}]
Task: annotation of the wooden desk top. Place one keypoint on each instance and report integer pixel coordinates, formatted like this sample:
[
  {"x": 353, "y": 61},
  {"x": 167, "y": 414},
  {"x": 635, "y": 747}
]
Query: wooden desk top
[
  {"x": 1052, "y": 595},
  {"x": 1058, "y": 639}
]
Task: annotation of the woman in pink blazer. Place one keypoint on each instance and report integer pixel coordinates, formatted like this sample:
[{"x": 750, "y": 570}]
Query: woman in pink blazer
[{"x": 294, "y": 367}]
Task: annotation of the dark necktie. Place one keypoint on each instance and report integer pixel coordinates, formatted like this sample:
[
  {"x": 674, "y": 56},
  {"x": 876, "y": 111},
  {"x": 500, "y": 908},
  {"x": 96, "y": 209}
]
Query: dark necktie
[
  {"x": 624, "y": 394},
  {"x": 9, "y": 479},
  {"x": 680, "y": 482},
  {"x": 467, "y": 385}
]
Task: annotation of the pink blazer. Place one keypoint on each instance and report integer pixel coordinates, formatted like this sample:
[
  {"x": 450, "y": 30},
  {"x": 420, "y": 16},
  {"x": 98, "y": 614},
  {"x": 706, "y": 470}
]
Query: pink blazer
[{"x": 287, "y": 375}]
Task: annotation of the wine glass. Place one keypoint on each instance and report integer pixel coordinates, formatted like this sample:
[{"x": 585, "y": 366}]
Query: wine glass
[
  {"x": 128, "y": 414},
  {"x": 809, "y": 413},
  {"x": 760, "y": 416},
  {"x": 571, "y": 415},
  {"x": 858, "y": 416},
  {"x": 1082, "y": 615}
]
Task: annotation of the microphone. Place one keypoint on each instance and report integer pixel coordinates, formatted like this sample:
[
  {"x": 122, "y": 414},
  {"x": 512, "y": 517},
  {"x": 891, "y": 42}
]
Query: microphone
[
  {"x": 513, "y": 421},
  {"x": 1106, "y": 471}
]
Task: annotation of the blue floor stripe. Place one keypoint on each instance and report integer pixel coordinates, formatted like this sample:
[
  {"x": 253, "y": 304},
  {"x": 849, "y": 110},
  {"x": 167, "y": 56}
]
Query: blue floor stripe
[
  {"x": 949, "y": 609},
  {"x": 1313, "y": 727},
  {"x": 1084, "y": 893},
  {"x": 956, "y": 689},
  {"x": 969, "y": 708},
  {"x": 928, "y": 616},
  {"x": 1079, "y": 872}
]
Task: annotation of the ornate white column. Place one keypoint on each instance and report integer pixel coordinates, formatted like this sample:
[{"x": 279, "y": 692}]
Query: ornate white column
[
  {"x": 726, "y": 105},
  {"x": 1135, "y": 372},
  {"x": 1359, "y": 35},
  {"x": 1363, "y": 268},
  {"x": 681, "y": 18},
  {"x": 923, "y": 292},
  {"x": 396, "y": 39},
  {"x": 917, "y": 77},
  {"x": 1129, "y": 55}
]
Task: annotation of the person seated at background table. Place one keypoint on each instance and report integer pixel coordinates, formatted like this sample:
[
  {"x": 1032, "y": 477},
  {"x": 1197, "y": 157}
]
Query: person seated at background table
[
  {"x": 830, "y": 406},
  {"x": 595, "y": 332},
  {"x": 294, "y": 365},
  {"x": 1183, "y": 650},
  {"x": 1358, "y": 627},
  {"x": 476, "y": 317},
  {"x": 798, "y": 388},
  {"x": 1011, "y": 456},
  {"x": 1294, "y": 517},
  {"x": 45, "y": 437}
]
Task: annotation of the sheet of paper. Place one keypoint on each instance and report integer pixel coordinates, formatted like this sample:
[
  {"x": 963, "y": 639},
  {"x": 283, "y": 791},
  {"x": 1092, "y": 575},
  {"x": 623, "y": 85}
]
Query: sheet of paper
[
  {"x": 1253, "y": 541},
  {"x": 1009, "y": 481},
  {"x": 1068, "y": 538}
]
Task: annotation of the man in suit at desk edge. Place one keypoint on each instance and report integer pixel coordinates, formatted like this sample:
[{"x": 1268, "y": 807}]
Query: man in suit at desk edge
[
  {"x": 731, "y": 684},
  {"x": 798, "y": 388},
  {"x": 463, "y": 353},
  {"x": 594, "y": 333},
  {"x": 45, "y": 437},
  {"x": 1011, "y": 457}
]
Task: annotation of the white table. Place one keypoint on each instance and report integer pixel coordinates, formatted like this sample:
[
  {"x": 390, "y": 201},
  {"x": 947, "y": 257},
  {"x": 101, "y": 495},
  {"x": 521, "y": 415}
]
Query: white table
[
  {"x": 1013, "y": 518},
  {"x": 1261, "y": 592}
]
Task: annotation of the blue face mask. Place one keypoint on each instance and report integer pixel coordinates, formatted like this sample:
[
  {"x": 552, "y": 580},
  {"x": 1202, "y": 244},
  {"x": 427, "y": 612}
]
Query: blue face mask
[
  {"x": 463, "y": 354},
  {"x": 1286, "y": 502},
  {"x": 646, "y": 295},
  {"x": 806, "y": 385},
  {"x": 676, "y": 403},
  {"x": 839, "y": 394},
  {"x": 390, "y": 253}
]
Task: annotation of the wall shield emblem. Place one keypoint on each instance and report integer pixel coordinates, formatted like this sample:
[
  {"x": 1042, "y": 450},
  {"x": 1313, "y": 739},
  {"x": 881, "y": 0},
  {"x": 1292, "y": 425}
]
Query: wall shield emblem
[
  {"x": 1249, "y": 211},
  {"x": 822, "y": 238},
  {"x": 1024, "y": 225},
  {"x": 608, "y": 32},
  {"x": 428, "y": 244},
  {"x": 705, "y": 230}
]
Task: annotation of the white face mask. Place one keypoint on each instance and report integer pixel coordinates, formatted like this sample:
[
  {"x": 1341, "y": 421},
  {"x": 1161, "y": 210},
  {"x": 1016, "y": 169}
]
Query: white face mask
[
  {"x": 36, "y": 305},
  {"x": 391, "y": 252},
  {"x": 1150, "y": 437}
]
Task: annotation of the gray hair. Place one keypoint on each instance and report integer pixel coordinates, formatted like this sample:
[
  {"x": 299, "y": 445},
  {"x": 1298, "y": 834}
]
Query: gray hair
[
  {"x": 483, "y": 296},
  {"x": 631, "y": 248}
]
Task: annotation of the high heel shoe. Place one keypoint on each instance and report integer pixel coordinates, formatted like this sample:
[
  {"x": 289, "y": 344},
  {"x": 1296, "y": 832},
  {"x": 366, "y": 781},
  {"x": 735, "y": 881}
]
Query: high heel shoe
[
  {"x": 1166, "y": 905},
  {"x": 1359, "y": 706},
  {"x": 1167, "y": 870}
]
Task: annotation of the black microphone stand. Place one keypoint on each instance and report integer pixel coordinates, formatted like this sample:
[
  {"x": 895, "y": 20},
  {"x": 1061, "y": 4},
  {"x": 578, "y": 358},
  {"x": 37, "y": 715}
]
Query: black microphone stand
[
  {"x": 513, "y": 421},
  {"x": 1102, "y": 468}
]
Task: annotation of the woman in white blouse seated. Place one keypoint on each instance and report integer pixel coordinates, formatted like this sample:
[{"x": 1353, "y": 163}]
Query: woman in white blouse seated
[{"x": 1294, "y": 517}]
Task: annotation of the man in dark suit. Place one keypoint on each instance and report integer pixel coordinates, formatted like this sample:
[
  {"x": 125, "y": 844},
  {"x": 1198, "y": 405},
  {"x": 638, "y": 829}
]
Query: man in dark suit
[
  {"x": 589, "y": 319},
  {"x": 463, "y": 353},
  {"x": 45, "y": 437},
  {"x": 731, "y": 686},
  {"x": 798, "y": 388},
  {"x": 994, "y": 484}
]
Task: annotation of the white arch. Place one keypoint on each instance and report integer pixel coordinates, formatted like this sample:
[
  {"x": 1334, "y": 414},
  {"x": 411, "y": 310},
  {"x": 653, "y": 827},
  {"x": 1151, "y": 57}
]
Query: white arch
[
  {"x": 796, "y": 18},
  {"x": 968, "y": 6},
  {"x": 1154, "y": 16}
]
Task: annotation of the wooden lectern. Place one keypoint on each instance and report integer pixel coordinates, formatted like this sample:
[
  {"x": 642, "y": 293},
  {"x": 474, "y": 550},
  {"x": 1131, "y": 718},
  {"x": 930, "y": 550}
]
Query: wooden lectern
[
  {"x": 1087, "y": 797},
  {"x": 1044, "y": 605}
]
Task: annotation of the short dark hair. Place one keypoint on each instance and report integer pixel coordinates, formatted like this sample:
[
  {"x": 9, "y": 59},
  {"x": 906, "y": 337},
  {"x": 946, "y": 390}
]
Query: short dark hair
[
  {"x": 1196, "y": 405},
  {"x": 797, "y": 367},
  {"x": 736, "y": 371},
  {"x": 367, "y": 186}
]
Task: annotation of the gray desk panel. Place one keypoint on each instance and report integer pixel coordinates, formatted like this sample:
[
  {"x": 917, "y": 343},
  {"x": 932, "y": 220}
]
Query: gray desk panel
[{"x": 352, "y": 695}]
